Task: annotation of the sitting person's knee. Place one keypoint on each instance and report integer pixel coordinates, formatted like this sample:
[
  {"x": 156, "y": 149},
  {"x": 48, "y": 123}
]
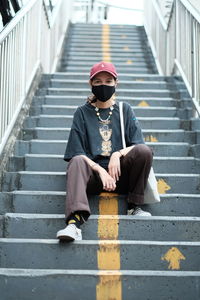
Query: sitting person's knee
[
  {"x": 77, "y": 159},
  {"x": 144, "y": 151}
]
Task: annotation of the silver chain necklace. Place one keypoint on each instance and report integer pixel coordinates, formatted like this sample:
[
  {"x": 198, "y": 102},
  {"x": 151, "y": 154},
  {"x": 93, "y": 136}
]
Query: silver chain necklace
[{"x": 99, "y": 117}]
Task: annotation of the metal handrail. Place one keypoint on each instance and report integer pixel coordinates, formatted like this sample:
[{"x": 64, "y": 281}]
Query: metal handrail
[
  {"x": 29, "y": 43},
  {"x": 176, "y": 44}
]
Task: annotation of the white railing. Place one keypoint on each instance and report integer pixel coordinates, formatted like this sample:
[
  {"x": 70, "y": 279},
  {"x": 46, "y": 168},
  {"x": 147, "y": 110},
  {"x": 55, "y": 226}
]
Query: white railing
[
  {"x": 88, "y": 11},
  {"x": 30, "y": 42},
  {"x": 176, "y": 44},
  {"x": 102, "y": 11}
]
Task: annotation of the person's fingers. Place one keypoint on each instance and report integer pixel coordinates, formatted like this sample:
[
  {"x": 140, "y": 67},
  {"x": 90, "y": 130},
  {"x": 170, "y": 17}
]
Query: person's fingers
[
  {"x": 114, "y": 173},
  {"x": 119, "y": 170}
]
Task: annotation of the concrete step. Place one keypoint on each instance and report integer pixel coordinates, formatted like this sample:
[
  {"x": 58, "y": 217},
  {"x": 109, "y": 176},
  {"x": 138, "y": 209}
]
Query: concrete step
[
  {"x": 55, "y": 163},
  {"x": 53, "y": 284},
  {"x": 72, "y": 53},
  {"x": 113, "y": 28},
  {"x": 133, "y": 101},
  {"x": 123, "y": 63},
  {"x": 90, "y": 43},
  {"x": 58, "y": 147},
  {"x": 90, "y": 31},
  {"x": 125, "y": 69},
  {"x": 80, "y": 27},
  {"x": 78, "y": 33},
  {"x": 63, "y": 121},
  {"x": 133, "y": 255},
  {"x": 118, "y": 38},
  {"x": 140, "y": 111},
  {"x": 128, "y": 59},
  {"x": 53, "y": 202},
  {"x": 123, "y": 76},
  {"x": 120, "y": 92},
  {"x": 123, "y": 84},
  {"x": 139, "y": 48},
  {"x": 56, "y": 181},
  {"x": 154, "y": 228},
  {"x": 159, "y": 135}
]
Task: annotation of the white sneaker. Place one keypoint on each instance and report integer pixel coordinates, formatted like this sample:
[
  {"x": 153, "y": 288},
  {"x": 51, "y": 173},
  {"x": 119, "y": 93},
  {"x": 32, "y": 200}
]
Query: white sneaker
[
  {"x": 70, "y": 233},
  {"x": 138, "y": 212}
]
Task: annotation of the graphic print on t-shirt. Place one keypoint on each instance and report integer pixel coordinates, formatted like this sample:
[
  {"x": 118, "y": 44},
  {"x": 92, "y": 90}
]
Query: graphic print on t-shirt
[{"x": 105, "y": 132}]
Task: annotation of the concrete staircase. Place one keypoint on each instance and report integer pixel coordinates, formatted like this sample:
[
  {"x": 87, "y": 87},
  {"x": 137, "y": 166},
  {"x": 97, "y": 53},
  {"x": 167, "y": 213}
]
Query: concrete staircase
[{"x": 120, "y": 257}]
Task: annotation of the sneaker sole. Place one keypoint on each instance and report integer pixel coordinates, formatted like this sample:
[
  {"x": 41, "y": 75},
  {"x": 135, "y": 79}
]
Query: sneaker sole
[{"x": 65, "y": 238}]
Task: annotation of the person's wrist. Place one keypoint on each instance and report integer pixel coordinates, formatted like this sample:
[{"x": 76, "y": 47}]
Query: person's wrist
[
  {"x": 120, "y": 152},
  {"x": 93, "y": 166}
]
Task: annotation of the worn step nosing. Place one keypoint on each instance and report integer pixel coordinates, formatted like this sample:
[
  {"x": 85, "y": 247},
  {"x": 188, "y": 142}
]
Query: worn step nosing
[
  {"x": 99, "y": 242},
  {"x": 46, "y": 272},
  {"x": 124, "y": 97},
  {"x": 38, "y": 117},
  {"x": 149, "y": 108},
  {"x": 26, "y": 216},
  {"x": 167, "y": 158},
  {"x": 57, "y": 193}
]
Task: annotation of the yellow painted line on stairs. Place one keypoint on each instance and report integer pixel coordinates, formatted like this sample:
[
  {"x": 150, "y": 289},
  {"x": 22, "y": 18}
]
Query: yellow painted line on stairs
[
  {"x": 163, "y": 187},
  {"x": 129, "y": 62},
  {"x": 108, "y": 227},
  {"x": 108, "y": 204},
  {"x": 143, "y": 104},
  {"x": 108, "y": 254},
  {"x": 105, "y": 43},
  {"x": 126, "y": 48},
  {"x": 150, "y": 138},
  {"x": 109, "y": 287}
]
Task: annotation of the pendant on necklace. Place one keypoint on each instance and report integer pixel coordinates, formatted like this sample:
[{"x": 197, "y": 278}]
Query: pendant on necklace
[{"x": 109, "y": 115}]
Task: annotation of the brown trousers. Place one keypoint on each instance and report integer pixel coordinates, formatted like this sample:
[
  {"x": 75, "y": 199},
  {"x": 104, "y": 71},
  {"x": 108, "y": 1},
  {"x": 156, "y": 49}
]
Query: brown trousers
[{"x": 82, "y": 180}]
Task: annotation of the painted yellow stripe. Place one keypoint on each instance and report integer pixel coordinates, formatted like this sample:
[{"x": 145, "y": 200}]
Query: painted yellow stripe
[
  {"x": 109, "y": 287},
  {"x": 108, "y": 254},
  {"x": 108, "y": 227},
  {"x": 106, "y": 43},
  {"x": 143, "y": 104},
  {"x": 151, "y": 138},
  {"x": 163, "y": 187},
  {"x": 108, "y": 204}
]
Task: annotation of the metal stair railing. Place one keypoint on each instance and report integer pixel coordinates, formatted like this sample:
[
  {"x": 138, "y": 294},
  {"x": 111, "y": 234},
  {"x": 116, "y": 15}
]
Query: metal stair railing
[
  {"x": 176, "y": 44},
  {"x": 29, "y": 43},
  {"x": 96, "y": 11}
]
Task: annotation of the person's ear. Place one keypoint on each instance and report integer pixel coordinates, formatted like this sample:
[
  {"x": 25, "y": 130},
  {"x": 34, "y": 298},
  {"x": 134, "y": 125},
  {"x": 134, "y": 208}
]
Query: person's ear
[
  {"x": 90, "y": 82},
  {"x": 116, "y": 82}
]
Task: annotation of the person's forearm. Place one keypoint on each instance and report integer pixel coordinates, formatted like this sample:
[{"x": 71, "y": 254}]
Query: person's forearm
[
  {"x": 91, "y": 163},
  {"x": 124, "y": 151}
]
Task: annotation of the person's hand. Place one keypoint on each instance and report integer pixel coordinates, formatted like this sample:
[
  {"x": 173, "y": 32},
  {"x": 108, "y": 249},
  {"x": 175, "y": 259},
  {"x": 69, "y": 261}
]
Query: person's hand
[
  {"x": 109, "y": 184},
  {"x": 114, "y": 169}
]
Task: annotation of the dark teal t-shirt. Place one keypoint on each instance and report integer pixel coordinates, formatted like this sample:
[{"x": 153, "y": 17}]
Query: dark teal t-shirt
[{"x": 98, "y": 140}]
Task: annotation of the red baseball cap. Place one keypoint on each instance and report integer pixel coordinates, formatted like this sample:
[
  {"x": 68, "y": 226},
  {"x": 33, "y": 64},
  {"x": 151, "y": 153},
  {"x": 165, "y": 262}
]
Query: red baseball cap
[{"x": 103, "y": 67}]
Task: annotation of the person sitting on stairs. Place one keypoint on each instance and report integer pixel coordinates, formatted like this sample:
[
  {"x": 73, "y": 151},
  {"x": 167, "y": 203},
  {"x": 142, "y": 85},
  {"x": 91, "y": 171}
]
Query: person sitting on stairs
[{"x": 97, "y": 160}]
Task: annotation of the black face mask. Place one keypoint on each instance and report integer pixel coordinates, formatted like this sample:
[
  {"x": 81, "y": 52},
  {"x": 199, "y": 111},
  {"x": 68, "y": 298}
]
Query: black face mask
[{"x": 103, "y": 92}]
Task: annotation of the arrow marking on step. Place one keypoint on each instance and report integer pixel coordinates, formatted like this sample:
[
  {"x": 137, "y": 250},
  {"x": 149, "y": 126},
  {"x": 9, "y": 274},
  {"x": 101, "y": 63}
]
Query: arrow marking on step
[{"x": 173, "y": 256}]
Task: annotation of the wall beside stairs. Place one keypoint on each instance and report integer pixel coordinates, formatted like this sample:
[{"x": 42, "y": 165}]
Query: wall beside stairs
[{"x": 121, "y": 257}]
